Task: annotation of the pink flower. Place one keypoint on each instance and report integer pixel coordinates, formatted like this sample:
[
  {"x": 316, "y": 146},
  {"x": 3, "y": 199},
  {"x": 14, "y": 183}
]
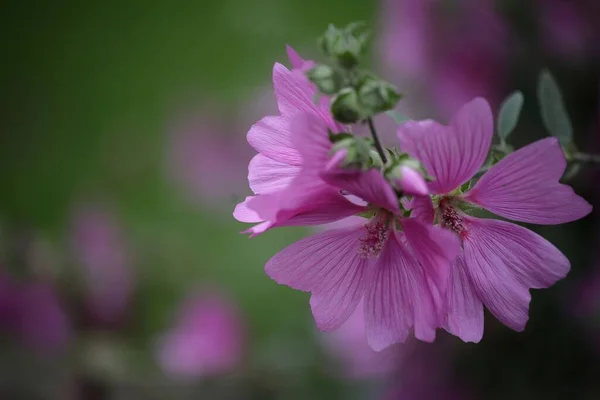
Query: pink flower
[
  {"x": 285, "y": 174},
  {"x": 206, "y": 339},
  {"x": 348, "y": 344},
  {"x": 501, "y": 261},
  {"x": 398, "y": 265},
  {"x": 99, "y": 247},
  {"x": 410, "y": 181}
]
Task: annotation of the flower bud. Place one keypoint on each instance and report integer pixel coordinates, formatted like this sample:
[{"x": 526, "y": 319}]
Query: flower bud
[
  {"x": 328, "y": 80},
  {"x": 345, "y": 106},
  {"x": 351, "y": 152},
  {"x": 378, "y": 96},
  {"x": 344, "y": 45},
  {"x": 408, "y": 178}
]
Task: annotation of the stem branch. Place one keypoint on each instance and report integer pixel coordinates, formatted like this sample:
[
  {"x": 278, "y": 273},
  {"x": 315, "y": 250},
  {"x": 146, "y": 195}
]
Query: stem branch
[
  {"x": 586, "y": 158},
  {"x": 376, "y": 140}
]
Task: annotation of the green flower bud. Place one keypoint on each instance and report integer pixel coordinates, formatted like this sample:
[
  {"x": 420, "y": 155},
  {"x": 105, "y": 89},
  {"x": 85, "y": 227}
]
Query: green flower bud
[
  {"x": 328, "y": 80},
  {"x": 345, "y": 106},
  {"x": 378, "y": 96},
  {"x": 357, "y": 152},
  {"x": 345, "y": 46}
]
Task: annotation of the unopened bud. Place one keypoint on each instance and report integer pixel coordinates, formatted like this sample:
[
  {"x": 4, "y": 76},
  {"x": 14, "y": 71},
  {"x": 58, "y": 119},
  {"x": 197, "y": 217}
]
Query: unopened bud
[
  {"x": 351, "y": 152},
  {"x": 328, "y": 80},
  {"x": 344, "y": 45},
  {"x": 345, "y": 106},
  {"x": 409, "y": 180},
  {"x": 378, "y": 96}
]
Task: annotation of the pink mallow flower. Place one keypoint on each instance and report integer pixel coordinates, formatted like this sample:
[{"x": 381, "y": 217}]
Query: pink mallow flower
[
  {"x": 501, "y": 261},
  {"x": 398, "y": 265},
  {"x": 284, "y": 175},
  {"x": 206, "y": 339}
]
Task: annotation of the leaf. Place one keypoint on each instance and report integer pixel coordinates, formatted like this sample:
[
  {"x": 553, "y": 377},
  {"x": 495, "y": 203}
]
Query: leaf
[
  {"x": 554, "y": 115},
  {"x": 399, "y": 118},
  {"x": 510, "y": 109}
]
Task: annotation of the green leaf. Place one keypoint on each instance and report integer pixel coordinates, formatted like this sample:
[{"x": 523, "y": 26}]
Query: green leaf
[
  {"x": 510, "y": 109},
  {"x": 554, "y": 115},
  {"x": 397, "y": 116}
]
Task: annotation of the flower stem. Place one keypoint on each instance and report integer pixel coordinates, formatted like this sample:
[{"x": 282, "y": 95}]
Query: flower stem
[
  {"x": 376, "y": 140},
  {"x": 586, "y": 158}
]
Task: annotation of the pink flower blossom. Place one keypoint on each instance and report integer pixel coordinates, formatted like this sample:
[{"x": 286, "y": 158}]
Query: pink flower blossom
[
  {"x": 99, "y": 247},
  {"x": 411, "y": 182},
  {"x": 206, "y": 339},
  {"x": 501, "y": 261},
  {"x": 348, "y": 344},
  {"x": 399, "y": 265},
  {"x": 284, "y": 175}
]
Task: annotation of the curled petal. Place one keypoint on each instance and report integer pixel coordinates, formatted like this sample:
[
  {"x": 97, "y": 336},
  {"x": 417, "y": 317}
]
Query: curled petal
[{"x": 266, "y": 175}]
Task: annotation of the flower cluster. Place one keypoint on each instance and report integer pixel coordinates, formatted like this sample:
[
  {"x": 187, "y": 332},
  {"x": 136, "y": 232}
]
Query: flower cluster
[{"x": 419, "y": 259}]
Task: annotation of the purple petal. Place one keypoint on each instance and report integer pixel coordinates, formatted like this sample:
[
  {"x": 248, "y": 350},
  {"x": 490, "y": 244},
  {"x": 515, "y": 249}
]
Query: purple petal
[
  {"x": 398, "y": 299},
  {"x": 329, "y": 265},
  {"x": 503, "y": 261},
  {"x": 421, "y": 208},
  {"x": 245, "y": 212},
  {"x": 435, "y": 249},
  {"x": 524, "y": 186},
  {"x": 296, "y": 94},
  {"x": 451, "y": 154},
  {"x": 465, "y": 311},
  {"x": 412, "y": 182},
  {"x": 297, "y": 61},
  {"x": 369, "y": 185},
  {"x": 266, "y": 175},
  {"x": 271, "y": 136}
]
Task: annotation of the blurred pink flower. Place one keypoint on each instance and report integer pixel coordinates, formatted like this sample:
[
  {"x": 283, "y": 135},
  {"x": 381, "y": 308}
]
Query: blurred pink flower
[
  {"x": 206, "y": 338},
  {"x": 99, "y": 247},
  {"x": 42, "y": 322},
  {"x": 455, "y": 51},
  {"x": 348, "y": 344},
  {"x": 566, "y": 27},
  {"x": 33, "y": 313}
]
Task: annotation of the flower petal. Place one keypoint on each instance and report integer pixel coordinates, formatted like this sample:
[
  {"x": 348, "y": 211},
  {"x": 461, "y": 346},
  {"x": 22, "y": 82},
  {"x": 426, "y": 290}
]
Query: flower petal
[
  {"x": 421, "y": 208},
  {"x": 295, "y": 94},
  {"x": 297, "y": 61},
  {"x": 266, "y": 175},
  {"x": 451, "y": 154},
  {"x": 398, "y": 299},
  {"x": 271, "y": 136},
  {"x": 245, "y": 214},
  {"x": 503, "y": 261},
  {"x": 329, "y": 265},
  {"x": 435, "y": 249},
  {"x": 524, "y": 186},
  {"x": 465, "y": 311},
  {"x": 369, "y": 185}
]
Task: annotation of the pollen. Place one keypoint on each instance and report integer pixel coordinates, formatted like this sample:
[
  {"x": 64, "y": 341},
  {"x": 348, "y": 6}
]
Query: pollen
[
  {"x": 372, "y": 243},
  {"x": 450, "y": 218}
]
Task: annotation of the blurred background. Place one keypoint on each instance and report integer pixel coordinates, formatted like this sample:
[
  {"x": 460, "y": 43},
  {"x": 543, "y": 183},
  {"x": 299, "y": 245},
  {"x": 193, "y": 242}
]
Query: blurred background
[{"x": 122, "y": 155}]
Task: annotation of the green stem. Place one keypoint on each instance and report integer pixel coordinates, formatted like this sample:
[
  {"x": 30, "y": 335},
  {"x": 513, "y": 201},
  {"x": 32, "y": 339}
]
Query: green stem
[{"x": 376, "y": 140}]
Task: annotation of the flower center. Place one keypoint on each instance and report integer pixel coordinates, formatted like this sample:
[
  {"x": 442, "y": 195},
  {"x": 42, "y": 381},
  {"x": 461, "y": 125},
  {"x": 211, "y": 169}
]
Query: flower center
[
  {"x": 450, "y": 218},
  {"x": 377, "y": 232}
]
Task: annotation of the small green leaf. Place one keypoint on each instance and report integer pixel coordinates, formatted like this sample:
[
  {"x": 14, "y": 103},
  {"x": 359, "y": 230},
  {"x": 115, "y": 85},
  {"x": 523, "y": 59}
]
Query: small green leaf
[
  {"x": 397, "y": 116},
  {"x": 509, "y": 114},
  {"x": 554, "y": 115}
]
